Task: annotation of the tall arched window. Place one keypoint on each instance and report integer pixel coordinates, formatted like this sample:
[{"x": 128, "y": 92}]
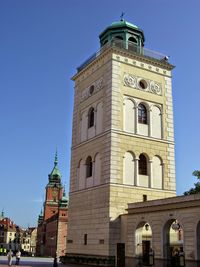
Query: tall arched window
[
  {"x": 129, "y": 116},
  {"x": 156, "y": 125},
  {"x": 99, "y": 118},
  {"x": 157, "y": 172},
  {"x": 132, "y": 44},
  {"x": 81, "y": 175},
  {"x": 142, "y": 164},
  {"x": 91, "y": 117},
  {"x": 88, "y": 167},
  {"x": 142, "y": 114},
  {"x": 129, "y": 168},
  {"x": 97, "y": 169}
]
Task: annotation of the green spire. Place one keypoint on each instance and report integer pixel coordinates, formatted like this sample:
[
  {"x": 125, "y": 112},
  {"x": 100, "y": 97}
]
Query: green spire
[
  {"x": 41, "y": 212},
  {"x": 56, "y": 159},
  {"x": 40, "y": 217},
  {"x": 64, "y": 194},
  {"x": 2, "y": 215},
  {"x": 55, "y": 175}
]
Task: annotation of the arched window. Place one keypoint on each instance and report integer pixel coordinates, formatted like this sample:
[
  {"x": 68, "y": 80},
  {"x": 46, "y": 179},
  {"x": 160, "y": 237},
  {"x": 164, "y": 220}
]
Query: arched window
[
  {"x": 81, "y": 175},
  {"x": 83, "y": 126},
  {"x": 91, "y": 117},
  {"x": 142, "y": 114},
  {"x": 118, "y": 37},
  {"x": 142, "y": 164},
  {"x": 129, "y": 116},
  {"x": 129, "y": 168},
  {"x": 105, "y": 42},
  {"x": 156, "y": 128},
  {"x": 97, "y": 170},
  {"x": 118, "y": 41},
  {"x": 88, "y": 167},
  {"x": 132, "y": 40},
  {"x": 157, "y": 173},
  {"x": 99, "y": 118}
]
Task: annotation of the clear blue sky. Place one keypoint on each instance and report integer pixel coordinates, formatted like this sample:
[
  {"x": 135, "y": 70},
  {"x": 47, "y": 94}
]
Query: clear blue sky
[{"x": 41, "y": 44}]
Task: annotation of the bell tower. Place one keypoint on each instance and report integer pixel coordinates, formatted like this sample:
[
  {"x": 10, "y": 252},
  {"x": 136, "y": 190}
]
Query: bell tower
[
  {"x": 122, "y": 140},
  {"x": 54, "y": 191}
]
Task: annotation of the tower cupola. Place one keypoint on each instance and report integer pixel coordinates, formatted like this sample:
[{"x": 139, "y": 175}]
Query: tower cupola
[{"x": 124, "y": 31}]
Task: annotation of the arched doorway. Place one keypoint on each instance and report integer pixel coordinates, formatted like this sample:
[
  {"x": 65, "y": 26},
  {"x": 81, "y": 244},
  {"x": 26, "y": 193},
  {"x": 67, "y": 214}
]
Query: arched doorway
[
  {"x": 143, "y": 241},
  {"x": 173, "y": 241}
]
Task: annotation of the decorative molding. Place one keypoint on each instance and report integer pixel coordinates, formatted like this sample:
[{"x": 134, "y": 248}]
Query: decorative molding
[
  {"x": 97, "y": 86},
  {"x": 134, "y": 82}
]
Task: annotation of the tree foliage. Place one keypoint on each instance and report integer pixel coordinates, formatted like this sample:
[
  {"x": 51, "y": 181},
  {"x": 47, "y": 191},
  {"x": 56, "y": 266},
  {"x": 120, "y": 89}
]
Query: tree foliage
[{"x": 196, "y": 188}]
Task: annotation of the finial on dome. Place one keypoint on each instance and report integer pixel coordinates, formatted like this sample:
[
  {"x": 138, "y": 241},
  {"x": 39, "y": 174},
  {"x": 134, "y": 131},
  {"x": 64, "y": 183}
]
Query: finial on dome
[{"x": 122, "y": 16}]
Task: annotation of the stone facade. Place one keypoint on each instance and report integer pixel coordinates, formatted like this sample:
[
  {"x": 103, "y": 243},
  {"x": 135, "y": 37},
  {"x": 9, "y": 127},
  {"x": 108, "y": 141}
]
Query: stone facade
[
  {"x": 97, "y": 201},
  {"x": 122, "y": 180}
]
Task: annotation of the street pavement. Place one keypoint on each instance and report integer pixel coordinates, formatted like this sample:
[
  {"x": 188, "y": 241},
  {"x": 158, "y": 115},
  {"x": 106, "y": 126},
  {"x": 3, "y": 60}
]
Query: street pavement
[
  {"x": 34, "y": 261},
  {"x": 29, "y": 261}
]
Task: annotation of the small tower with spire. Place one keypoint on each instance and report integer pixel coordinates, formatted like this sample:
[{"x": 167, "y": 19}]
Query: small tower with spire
[
  {"x": 52, "y": 221},
  {"x": 40, "y": 217},
  {"x": 2, "y": 215},
  {"x": 54, "y": 191}
]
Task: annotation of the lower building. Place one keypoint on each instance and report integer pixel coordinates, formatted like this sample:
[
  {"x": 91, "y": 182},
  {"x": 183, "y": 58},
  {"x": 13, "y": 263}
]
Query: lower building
[
  {"x": 16, "y": 238},
  {"x": 168, "y": 228},
  {"x": 28, "y": 244},
  {"x": 10, "y": 235}
]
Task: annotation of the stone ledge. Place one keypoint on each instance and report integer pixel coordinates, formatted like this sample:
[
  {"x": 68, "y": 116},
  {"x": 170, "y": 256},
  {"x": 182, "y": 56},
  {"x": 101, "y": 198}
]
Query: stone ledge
[{"x": 176, "y": 202}]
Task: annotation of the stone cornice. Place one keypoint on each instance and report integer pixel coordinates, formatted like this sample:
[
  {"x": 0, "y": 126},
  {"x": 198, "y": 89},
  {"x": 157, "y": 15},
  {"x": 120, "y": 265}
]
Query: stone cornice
[
  {"x": 145, "y": 59},
  {"x": 149, "y": 60},
  {"x": 172, "y": 203}
]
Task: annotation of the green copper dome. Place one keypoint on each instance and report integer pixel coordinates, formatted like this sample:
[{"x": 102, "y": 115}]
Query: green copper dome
[
  {"x": 124, "y": 31},
  {"x": 123, "y": 23},
  {"x": 64, "y": 201},
  {"x": 55, "y": 172}
]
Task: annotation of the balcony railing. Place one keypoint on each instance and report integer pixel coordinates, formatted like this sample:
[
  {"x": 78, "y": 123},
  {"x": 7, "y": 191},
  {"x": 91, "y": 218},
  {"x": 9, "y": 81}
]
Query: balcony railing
[{"x": 130, "y": 46}]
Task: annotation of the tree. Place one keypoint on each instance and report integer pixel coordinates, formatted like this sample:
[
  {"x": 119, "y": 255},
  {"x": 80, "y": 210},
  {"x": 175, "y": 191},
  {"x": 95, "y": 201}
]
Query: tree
[{"x": 196, "y": 188}]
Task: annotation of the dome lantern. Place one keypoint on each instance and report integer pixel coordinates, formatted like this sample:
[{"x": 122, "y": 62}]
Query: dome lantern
[{"x": 124, "y": 31}]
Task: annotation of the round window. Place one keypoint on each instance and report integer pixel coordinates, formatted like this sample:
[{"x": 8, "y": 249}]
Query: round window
[
  {"x": 91, "y": 89},
  {"x": 143, "y": 84}
]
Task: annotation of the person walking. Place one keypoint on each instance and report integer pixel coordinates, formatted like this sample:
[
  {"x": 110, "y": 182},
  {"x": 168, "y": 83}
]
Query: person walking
[
  {"x": 9, "y": 255},
  {"x": 18, "y": 255}
]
